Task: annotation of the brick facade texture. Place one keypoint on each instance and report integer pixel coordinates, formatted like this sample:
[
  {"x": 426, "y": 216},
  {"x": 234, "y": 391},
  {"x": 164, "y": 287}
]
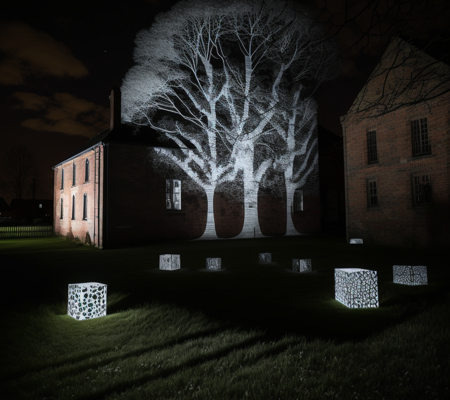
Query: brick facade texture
[{"x": 397, "y": 220}]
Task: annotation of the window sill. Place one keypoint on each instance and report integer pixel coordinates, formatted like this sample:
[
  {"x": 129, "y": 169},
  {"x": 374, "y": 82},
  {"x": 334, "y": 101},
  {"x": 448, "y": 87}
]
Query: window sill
[
  {"x": 420, "y": 157},
  {"x": 86, "y": 182}
]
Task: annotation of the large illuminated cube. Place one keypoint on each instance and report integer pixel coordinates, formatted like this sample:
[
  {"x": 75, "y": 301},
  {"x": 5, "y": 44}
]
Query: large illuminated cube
[
  {"x": 87, "y": 300},
  {"x": 213, "y": 264},
  {"x": 299, "y": 265},
  {"x": 265, "y": 258},
  {"x": 356, "y": 287},
  {"x": 169, "y": 262},
  {"x": 410, "y": 274},
  {"x": 356, "y": 241}
]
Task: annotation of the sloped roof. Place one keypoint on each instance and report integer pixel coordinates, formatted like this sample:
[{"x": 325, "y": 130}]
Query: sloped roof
[{"x": 125, "y": 134}]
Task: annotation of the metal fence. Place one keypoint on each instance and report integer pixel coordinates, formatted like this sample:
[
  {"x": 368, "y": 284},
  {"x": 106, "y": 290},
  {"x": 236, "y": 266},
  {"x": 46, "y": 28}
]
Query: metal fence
[{"x": 12, "y": 232}]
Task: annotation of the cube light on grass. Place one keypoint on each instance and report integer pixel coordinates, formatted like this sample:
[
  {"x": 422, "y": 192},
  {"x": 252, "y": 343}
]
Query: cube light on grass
[
  {"x": 169, "y": 262},
  {"x": 299, "y": 265},
  {"x": 356, "y": 241},
  {"x": 265, "y": 258},
  {"x": 213, "y": 264},
  {"x": 87, "y": 300},
  {"x": 410, "y": 274},
  {"x": 356, "y": 287}
]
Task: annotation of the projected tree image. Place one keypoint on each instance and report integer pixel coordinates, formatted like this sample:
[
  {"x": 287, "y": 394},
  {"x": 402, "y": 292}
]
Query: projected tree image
[{"x": 231, "y": 85}]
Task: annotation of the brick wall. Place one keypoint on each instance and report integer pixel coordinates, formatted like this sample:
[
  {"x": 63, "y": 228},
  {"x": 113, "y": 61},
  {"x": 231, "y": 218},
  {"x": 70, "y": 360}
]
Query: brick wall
[{"x": 397, "y": 220}]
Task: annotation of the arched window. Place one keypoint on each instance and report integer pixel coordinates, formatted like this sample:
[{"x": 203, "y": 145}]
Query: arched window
[
  {"x": 62, "y": 209},
  {"x": 85, "y": 207},
  {"x": 73, "y": 174},
  {"x": 86, "y": 170},
  {"x": 62, "y": 178},
  {"x": 73, "y": 207}
]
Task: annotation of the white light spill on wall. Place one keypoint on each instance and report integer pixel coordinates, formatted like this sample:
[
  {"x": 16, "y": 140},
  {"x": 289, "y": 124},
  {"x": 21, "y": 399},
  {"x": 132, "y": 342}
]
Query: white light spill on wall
[
  {"x": 169, "y": 262},
  {"x": 87, "y": 300},
  {"x": 300, "y": 265},
  {"x": 213, "y": 264},
  {"x": 356, "y": 287},
  {"x": 410, "y": 274},
  {"x": 265, "y": 258},
  {"x": 356, "y": 241}
]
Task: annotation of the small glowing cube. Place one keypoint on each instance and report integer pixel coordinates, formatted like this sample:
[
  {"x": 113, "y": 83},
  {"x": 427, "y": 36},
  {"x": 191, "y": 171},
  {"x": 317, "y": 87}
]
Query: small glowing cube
[
  {"x": 265, "y": 258},
  {"x": 301, "y": 265},
  {"x": 356, "y": 287},
  {"x": 213, "y": 264},
  {"x": 410, "y": 275},
  {"x": 169, "y": 262},
  {"x": 87, "y": 300},
  {"x": 356, "y": 241}
]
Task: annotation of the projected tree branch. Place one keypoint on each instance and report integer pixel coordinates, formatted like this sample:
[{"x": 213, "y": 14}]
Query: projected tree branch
[{"x": 225, "y": 83}]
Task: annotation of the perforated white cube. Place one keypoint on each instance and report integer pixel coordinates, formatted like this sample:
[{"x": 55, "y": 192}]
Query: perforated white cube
[
  {"x": 410, "y": 274},
  {"x": 356, "y": 241},
  {"x": 87, "y": 300},
  {"x": 169, "y": 262},
  {"x": 213, "y": 264},
  {"x": 356, "y": 287},
  {"x": 265, "y": 258},
  {"x": 299, "y": 265}
]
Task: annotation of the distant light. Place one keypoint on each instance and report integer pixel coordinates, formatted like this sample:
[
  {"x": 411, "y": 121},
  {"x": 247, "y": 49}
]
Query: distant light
[
  {"x": 213, "y": 264},
  {"x": 169, "y": 262},
  {"x": 87, "y": 300},
  {"x": 356, "y": 241},
  {"x": 299, "y": 265},
  {"x": 40, "y": 205},
  {"x": 410, "y": 275},
  {"x": 356, "y": 287}
]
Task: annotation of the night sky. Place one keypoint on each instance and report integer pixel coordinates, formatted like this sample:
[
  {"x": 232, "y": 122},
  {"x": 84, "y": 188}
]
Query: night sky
[{"x": 59, "y": 63}]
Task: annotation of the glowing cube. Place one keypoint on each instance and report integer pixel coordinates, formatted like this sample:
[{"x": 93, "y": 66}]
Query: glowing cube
[
  {"x": 410, "y": 275},
  {"x": 301, "y": 265},
  {"x": 87, "y": 300},
  {"x": 356, "y": 287},
  {"x": 356, "y": 241},
  {"x": 213, "y": 264},
  {"x": 169, "y": 262},
  {"x": 265, "y": 258}
]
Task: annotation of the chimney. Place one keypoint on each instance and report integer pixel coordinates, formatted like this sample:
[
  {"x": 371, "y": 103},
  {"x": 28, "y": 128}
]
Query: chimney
[{"x": 115, "y": 107}]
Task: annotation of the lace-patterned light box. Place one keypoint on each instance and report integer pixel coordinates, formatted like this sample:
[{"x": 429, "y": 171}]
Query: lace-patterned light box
[
  {"x": 87, "y": 300},
  {"x": 169, "y": 262},
  {"x": 410, "y": 274},
  {"x": 356, "y": 287},
  {"x": 265, "y": 258},
  {"x": 300, "y": 265},
  {"x": 213, "y": 264}
]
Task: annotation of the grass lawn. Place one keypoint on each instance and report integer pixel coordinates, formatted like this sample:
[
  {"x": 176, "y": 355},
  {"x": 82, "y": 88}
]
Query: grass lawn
[{"x": 249, "y": 331}]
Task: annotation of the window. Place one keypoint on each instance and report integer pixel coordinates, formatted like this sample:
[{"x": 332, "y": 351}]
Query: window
[
  {"x": 86, "y": 171},
  {"x": 298, "y": 200},
  {"x": 62, "y": 178},
  {"x": 85, "y": 207},
  {"x": 421, "y": 189},
  {"x": 61, "y": 214},
  {"x": 173, "y": 194},
  {"x": 420, "y": 141},
  {"x": 73, "y": 174},
  {"x": 372, "y": 193},
  {"x": 73, "y": 207},
  {"x": 372, "y": 153}
]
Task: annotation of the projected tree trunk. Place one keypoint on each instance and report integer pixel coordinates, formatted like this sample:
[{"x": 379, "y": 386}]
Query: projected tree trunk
[{"x": 214, "y": 77}]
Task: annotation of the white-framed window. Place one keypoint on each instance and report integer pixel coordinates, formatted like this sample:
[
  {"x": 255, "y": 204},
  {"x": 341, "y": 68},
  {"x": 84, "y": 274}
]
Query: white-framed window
[
  {"x": 74, "y": 173},
  {"x": 73, "y": 207},
  {"x": 85, "y": 207},
  {"x": 86, "y": 170},
  {"x": 298, "y": 200},
  {"x": 173, "y": 194},
  {"x": 421, "y": 185}
]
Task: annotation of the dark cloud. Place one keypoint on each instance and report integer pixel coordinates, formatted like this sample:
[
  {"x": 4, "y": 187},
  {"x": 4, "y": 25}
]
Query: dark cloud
[
  {"x": 33, "y": 53},
  {"x": 63, "y": 113}
]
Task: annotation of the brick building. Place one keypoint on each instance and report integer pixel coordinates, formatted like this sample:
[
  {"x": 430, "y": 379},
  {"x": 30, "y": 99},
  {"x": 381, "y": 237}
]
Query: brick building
[
  {"x": 109, "y": 194},
  {"x": 397, "y": 167}
]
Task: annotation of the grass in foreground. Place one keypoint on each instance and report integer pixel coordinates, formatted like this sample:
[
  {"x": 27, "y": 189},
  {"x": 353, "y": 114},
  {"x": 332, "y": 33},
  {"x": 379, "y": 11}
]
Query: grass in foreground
[{"x": 194, "y": 334}]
